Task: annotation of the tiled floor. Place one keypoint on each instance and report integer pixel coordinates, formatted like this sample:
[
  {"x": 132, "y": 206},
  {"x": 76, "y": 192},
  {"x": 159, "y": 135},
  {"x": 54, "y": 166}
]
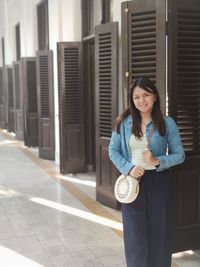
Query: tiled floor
[{"x": 51, "y": 220}]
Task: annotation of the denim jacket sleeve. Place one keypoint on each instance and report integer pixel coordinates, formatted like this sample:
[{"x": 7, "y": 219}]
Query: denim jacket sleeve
[
  {"x": 117, "y": 153},
  {"x": 176, "y": 153},
  {"x": 120, "y": 154}
]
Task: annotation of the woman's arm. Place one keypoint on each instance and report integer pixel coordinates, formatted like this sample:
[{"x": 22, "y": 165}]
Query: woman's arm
[
  {"x": 116, "y": 156},
  {"x": 176, "y": 153}
]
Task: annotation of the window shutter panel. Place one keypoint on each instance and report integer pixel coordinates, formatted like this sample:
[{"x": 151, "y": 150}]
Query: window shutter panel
[
  {"x": 184, "y": 106},
  {"x": 43, "y": 25},
  {"x": 45, "y": 94},
  {"x": 30, "y": 113},
  {"x": 10, "y": 126},
  {"x": 17, "y": 94},
  {"x": 8, "y": 87},
  {"x": 1, "y": 85},
  {"x": 106, "y": 68},
  {"x": 16, "y": 85},
  {"x": 2, "y": 102},
  {"x": 143, "y": 44},
  {"x": 71, "y": 107}
]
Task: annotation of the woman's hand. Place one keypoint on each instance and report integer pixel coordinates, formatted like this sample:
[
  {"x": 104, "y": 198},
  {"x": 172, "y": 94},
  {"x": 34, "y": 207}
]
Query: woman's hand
[
  {"x": 148, "y": 157},
  {"x": 136, "y": 172}
]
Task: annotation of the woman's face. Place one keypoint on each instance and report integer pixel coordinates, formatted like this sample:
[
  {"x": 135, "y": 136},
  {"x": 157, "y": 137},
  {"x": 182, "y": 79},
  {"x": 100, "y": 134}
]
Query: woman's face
[{"x": 143, "y": 100}]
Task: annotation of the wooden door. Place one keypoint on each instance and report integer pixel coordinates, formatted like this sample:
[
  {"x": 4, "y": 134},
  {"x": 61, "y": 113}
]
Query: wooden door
[
  {"x": 106, "y": 95},
  {"x": 10, "y": 126},
  {"x": 89, "y": 100},
  {"x": 45, "y": 98},
  {"x": 43, "y": 25},
  {"x": 2, "y": 100},
  {"x": 143, "y": 44},
  {"x": 29, "y": 91},
  {"x": 71, "y": 108},
  {"x": 8, "y": 98},
  {"x": 184, "y": 106},
  {"x": 144, "y": 51},
  {"x": 17, "y": 93}
]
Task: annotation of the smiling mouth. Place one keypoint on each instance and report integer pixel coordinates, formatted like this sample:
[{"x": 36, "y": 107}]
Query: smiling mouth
[{"x": 143, "y": 106}]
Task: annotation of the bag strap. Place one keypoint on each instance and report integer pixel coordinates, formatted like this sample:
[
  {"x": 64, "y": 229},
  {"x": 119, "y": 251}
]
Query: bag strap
[{"x": 150, "y": 136}]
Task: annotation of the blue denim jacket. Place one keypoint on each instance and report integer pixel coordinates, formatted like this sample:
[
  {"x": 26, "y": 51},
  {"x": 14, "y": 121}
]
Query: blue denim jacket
[{"x": 120, "y": 154}]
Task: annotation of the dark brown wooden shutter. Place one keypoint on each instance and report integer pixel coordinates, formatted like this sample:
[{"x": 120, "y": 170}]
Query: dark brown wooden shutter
[
  {"x": 29, "y": 90},
  {"x": 45, "y": 94},
  {"x": 43, "y": 25},
  {"x": 17, "y": 93},
  {"x": 18, "y": 41},
  {"x": 71, "y": 109},
  {"x": 143, "y": 44},
  {"x": 10, "y": 101},
  {"x": 8, "y": 93},
  {"x": 184, "y": 106},
  {"x": 106, "y": 59},
  {"x": 2, "y": 100},
  {"x": 3, "y": 50}
]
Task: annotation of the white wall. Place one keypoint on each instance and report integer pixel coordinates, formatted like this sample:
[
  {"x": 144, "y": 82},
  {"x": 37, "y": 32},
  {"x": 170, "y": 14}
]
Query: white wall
[
  {"x": 117, "y": 17},
  {"x": 64, "y": 25},
  {"x": 23, "y": 12},
  {"x": 2, "y": 19}
]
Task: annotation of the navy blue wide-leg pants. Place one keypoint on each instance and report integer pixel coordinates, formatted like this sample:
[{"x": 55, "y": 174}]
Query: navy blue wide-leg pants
[{"x": 147, "y": 222}]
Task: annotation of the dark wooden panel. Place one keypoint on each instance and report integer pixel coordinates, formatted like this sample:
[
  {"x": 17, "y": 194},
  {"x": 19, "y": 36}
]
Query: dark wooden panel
[
  {"x": 184, "y": 106},
  {"x": 45, "y": 95},
  {"x": 8, "y": 97},
  {"x": 89, "y": 102},
  {"x": 17, "y": 94},
  {"x": 106, "y": 79},
  {"x": 29, "y": 89},
  {"x": 71, "y": 108},
  {"x": 18, "y": 41},
  {"x": 10, "y": 101},
  {"x": 43, "y": 25},
  {"x": 3, "y": 50},
  {"x": 143, "y": 44},
  {"x": 2, "y": 99}
]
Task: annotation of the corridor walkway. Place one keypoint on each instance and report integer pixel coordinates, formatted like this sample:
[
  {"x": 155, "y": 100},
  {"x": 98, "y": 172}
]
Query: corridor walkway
[{"x": 51, "y": 220}]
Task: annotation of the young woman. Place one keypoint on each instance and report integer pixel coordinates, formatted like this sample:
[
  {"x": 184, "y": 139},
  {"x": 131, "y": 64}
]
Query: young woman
[{"x": 147, "y": 221}]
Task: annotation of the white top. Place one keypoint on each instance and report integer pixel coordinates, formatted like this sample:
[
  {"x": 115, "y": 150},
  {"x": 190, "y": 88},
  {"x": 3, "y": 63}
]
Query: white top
[{"x": 137, "y": 146}]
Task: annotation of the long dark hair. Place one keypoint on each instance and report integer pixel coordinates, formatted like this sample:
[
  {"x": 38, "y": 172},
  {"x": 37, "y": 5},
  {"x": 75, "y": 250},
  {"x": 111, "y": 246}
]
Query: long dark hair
[{"x": 156, "y": 114}]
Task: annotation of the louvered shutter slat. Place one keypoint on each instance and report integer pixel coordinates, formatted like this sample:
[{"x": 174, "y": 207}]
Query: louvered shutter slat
[
  {"x": 44, "y": 86},
  {"x": 188, "y": 93},
  {"x": 16, "y": 69},
  {"x": 71, "y": 114},
  {"x": 2, "y": 99},
  {"x": 1, "y": 86},
  {"x": 106, "y": 70},
  {"x": 45, "y": 95},
  {"x": 143, "y": 29},
  {"x": 105, "y": 54}
]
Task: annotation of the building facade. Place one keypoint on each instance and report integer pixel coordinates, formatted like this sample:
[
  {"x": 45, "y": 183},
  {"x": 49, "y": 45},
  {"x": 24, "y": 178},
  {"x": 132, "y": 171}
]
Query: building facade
[{"x": 65, "y": 70}]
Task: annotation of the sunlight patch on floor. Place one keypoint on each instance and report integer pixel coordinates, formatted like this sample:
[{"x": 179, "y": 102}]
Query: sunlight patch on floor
[
  {"x": 7, "y": 142},
  {"x": 181, "y": 254},
  {"x": 77, "y": 180},
  {"x": 6, "y": 192},
  {"x": 13, "y": 259},
  {"x": 79, "y": 213}
]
